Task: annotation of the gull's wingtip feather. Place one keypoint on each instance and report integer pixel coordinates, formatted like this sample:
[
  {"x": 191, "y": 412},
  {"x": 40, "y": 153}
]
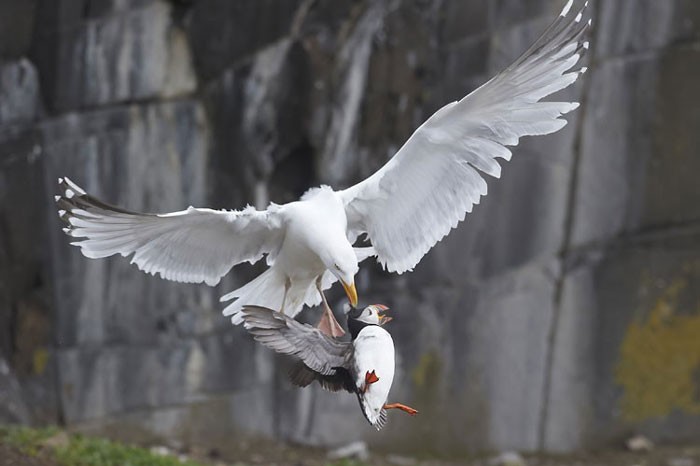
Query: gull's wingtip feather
[
  {"x": 567, "y": 8},
  {"x": 77, "y": 189}
]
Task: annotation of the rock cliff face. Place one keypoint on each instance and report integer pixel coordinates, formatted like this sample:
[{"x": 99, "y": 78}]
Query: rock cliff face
[{"x": 563, "y": 313}]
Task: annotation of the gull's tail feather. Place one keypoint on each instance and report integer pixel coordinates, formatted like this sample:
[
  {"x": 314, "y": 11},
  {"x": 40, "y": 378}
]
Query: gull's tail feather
[{"x": 267, "y": 290}]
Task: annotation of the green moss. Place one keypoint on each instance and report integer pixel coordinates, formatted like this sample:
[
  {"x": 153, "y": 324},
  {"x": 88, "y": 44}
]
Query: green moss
[
  {"x": 347, "y": 462},
  {"x": 659, "y": 360},
  {"x": 87, "y": 451},
  {"x": 79, "y": 450},
  {"x": 25, "y": 439}
]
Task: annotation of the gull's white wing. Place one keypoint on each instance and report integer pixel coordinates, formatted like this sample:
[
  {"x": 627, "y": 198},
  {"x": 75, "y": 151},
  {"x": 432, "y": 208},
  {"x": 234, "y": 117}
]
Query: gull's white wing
[
  {"x": 192, "y": 246},
  {"x": 427, "y": 188}
]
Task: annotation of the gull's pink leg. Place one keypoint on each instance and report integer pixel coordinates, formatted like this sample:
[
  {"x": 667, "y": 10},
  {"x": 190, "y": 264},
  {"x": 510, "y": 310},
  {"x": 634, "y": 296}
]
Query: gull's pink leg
[{"x": 328, "y": 324}]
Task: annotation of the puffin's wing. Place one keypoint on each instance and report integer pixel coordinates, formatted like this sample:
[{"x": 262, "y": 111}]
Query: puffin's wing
[
  {"x": 430, "y": 184},
  {"x": 193, "y": 245},
  {"x": 287, "y": 336},
  {"x": 301, "y": 376}
]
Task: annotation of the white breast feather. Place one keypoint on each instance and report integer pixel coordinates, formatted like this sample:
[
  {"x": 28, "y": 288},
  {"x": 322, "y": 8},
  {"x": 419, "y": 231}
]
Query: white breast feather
[{"x": 374, "y": 351}]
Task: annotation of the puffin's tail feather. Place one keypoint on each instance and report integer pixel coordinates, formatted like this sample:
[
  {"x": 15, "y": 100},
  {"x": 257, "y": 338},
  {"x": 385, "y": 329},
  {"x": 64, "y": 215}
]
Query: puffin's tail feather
[
  {"x": 266, "y": 290},
  {"x": 377, "y": 420}
]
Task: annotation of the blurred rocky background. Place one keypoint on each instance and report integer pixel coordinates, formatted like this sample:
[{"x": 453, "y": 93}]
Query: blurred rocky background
[{"x": 563, "y": 314}]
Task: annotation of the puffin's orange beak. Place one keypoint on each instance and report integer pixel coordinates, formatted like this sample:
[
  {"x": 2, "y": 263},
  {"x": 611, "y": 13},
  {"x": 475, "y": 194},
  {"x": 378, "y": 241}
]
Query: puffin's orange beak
[
  {"x": 351, "y": 292},
  {"x": 381, "y": 309}
]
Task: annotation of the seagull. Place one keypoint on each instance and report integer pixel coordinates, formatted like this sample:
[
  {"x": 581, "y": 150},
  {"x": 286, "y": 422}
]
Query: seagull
[
  {"x": 364, "y": 366},
  {"x": 403, "y": 209}
]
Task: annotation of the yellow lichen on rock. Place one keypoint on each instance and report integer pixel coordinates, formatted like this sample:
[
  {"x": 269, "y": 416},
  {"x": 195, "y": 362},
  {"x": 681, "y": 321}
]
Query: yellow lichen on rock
[
  {"x": 40, "y": 358},
  {"x": 660, "y": 360},
  {"x": 427, "y": 372}
]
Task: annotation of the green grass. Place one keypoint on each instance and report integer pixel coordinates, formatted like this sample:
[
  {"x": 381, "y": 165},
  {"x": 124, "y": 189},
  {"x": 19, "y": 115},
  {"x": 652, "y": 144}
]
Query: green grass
[
  {"x": 347, "y": 462},
  {"x": 26, "y": 440},
  {"x": 83, "y": 451},
  {"x": 87, "y": 451},
  {"x": 78, "y": 450}
]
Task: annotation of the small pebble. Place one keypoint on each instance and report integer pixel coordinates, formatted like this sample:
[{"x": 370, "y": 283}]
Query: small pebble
[
  {"x": 399, "y": 460},
  {"x": 357, "y": 450},
  {"x": 639, "y": 443},
  {"x": 681, "y": 462},
  {"x": 508, "y": 458},
  {"x": 161, "y": 450}
]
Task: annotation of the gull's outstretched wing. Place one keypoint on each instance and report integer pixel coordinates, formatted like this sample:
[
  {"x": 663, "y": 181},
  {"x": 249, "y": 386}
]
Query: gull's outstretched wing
[
  {"x": 427, "y": 188},
  {"x": 192, "y": 246},
  {"x": 285, "y": 335}
]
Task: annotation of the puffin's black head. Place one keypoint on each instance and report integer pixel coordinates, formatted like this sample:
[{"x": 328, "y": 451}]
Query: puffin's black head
[
  {"x": 371, "y": 315},
  {"x": 353, "y": 313}
]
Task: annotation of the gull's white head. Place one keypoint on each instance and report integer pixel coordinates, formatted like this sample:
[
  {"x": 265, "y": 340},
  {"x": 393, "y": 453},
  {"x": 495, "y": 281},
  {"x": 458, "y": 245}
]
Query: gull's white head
[{"x": 340, "y": 259}]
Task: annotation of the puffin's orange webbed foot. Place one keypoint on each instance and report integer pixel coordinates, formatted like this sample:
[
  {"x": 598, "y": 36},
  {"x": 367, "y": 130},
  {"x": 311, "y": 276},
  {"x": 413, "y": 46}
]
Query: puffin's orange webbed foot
[
  {"x": 402, "y": 407},
  {"x": 370, "y": 378}
]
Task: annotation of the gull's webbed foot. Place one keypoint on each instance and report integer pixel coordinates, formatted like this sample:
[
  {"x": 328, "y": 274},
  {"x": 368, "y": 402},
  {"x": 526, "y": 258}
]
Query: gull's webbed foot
[{"x": 329, "y": 325}]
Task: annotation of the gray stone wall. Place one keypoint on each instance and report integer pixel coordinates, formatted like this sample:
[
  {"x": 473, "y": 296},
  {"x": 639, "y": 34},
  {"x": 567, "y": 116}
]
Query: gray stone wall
[{"x": 562, "y": 314}]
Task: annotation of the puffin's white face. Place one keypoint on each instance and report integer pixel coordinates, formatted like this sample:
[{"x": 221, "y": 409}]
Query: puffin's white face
[
  {"x": 374, "y": 315},
  {"x": 342, "y": 262}
]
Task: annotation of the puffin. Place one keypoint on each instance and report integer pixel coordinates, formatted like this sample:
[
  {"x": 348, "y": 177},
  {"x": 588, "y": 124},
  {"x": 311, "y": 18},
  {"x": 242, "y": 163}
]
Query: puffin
[{"x": 363, "y": 366}]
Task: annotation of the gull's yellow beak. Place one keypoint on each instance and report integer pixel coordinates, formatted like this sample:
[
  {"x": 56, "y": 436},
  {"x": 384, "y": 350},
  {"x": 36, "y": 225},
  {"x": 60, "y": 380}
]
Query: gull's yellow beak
[{"x": 351, "y": 292}]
